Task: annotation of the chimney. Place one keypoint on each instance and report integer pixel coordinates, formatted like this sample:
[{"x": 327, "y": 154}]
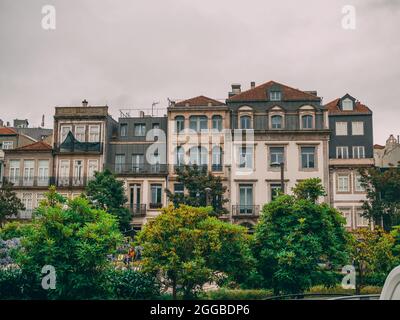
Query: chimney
[
  {"x": 235, "y": 90},
  {"x": 141, "y": 114},
  {"x": 42, "y": 124},
  {"x": 84, "y": 103},
  {"x": 252, "y": 85},
  {"x": 8, "y": 123},
  {"x": 313, "y": 92},
  {"x": 1, "y": 123}
]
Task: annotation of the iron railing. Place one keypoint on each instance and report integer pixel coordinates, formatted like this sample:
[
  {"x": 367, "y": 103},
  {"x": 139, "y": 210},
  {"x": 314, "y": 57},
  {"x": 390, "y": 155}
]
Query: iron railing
[
  {"x": 240, "y": 211},
  {"x": 29, "y": 181},
  {"x": 138, "y": 169},
  {"x": 137, "y": 210}
]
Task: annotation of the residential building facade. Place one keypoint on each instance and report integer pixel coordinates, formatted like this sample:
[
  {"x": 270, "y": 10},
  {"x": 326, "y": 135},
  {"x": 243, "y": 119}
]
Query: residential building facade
[
  {"x": 350, "y": 149},
  {"x": 137, "y": 155},
  {"x": 288, "y": 128}
]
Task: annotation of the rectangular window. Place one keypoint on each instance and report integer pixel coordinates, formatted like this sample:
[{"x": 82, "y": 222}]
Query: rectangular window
[
  {"x": 358, "y": 152},
  {"x": 137, "y": 162},
  {"x": 78, "y": 172},
  {"x": 198, "y": 123},
  {"x": 94, "y": 133},
  {"x": 179, "y": 123},
  {"x": 123, "y": 129},
  {"x": 93, "y": 166},
  {"x": 275, "y": 190},
  {"x": 245, "y": 199},
  {"x": 14, "y": 172},
  {"x": 29, "y": 172},
  {"x": 308, "y": 157},
  {"x": 343, "y": 182},
  {"x": 179, "y": 188},
  {"x": 156, "y": 196},
  {"x": 347, "y": 215},
  {"x": 64, "y": 132},
  {"x": 43, "y": 172},
  {"x": 357, "y": 183},
  {"x": 7, "y": 145},
  {"x": 80, "y": 133},
  {"x": 64, "y": 172},
  {"x": 357, "y": 128},
  {"x": 341, "y": 128},
  {"x": 245, "y": 157},
  {"x": 347, "y": 105},
  {"x": 119, "y": 163},
  {"x": 27, "y": 201},
  {"x": 342, "y": 152},
  {"x": 140, "y": 129},
  {"x": 276, "y": 155},
  {"x": 39, "y": 198},
  {"x": 361, "y": 220},
  {"x": 275, "y": 96}
]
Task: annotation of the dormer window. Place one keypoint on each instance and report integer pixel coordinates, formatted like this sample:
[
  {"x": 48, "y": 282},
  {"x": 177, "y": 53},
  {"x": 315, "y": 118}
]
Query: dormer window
[
  {"x": 275, "y": 96},
  {"x": 347, "y": 105}
]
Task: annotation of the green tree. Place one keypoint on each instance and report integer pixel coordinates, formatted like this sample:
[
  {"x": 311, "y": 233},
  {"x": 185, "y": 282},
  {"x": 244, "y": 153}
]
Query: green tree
[
  {"x": 202, "y": 189},
  {"x": 372, "y": 254},
  {"x": 10, "y": 204},
  {"x": 309, "y": 189},
  {"x": 188, "y": 248},
  {"x": 107, "y": 193},
  {"x": 383, "y": 195},
  {"x": 298, "y": 243},
  {"x": 74, "y": 238}
]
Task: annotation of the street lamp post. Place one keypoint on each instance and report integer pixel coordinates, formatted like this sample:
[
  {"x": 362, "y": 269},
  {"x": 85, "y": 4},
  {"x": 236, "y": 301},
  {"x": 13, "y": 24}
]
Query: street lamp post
[{"x": 207, "y": 190}]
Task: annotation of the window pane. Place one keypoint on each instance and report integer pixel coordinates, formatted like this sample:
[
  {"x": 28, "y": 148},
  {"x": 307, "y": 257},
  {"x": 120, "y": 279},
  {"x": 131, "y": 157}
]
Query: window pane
[
  {"x": 341, "y": 128},
  {"x": 276, "y": 155},
  {"x": 276, "y": 122},
  {"x": 307, "y": 122},
  {"x": 245, "y": 122}
]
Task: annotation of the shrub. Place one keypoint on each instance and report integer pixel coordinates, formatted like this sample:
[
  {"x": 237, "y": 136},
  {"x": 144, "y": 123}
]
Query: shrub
[
  {"x": 238, "y": 294},
  {"x": 130, "y": 284}
]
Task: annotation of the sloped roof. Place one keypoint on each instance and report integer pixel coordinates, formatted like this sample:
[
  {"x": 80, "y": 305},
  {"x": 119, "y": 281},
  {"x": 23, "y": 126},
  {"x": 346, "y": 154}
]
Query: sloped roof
[
  {"x": 259, "y": 93},
  {"x": 7, "y": 131},
  {"x": 199, "y": 101},
  {"x": 36, "y": 146},
  {"x": 378, "y": 146},
  {"x": 333, "y": 108}
]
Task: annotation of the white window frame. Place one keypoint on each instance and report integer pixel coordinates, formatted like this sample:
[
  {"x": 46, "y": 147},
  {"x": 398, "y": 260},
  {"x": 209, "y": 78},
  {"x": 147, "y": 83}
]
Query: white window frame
[
  {"x": 29, "y": 172},
  {"x": 80, "y": 135},
  {"x": 357, "y": 151},
  {"x": 343, "y": 130},
  {"x": 246, "y": 158},
  {"x": 91, "y": 169},
  {"x": 357, "y": 183},
  {"x": 341, "y": 151},
  {"x": 94, "y": 136},
  {"x": 275, "y": 95},
  {"x": 64, "y": 171},
  {"x": 361, "y": 221},
  {"x": 7, "y": 145},
  {"x": 357, "y": 128},
  {"x": 14, "y": 173},
  {"x": 341, "y": 185},
  {"x": 347, "y": 105},
  {"x": 63, "y": 134},
  {"x": 78, "y": 174},
  {"x": 43, "y": 172}
]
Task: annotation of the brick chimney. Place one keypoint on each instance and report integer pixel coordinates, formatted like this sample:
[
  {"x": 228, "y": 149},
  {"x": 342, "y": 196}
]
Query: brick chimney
[{"x": 84, "y": 103}]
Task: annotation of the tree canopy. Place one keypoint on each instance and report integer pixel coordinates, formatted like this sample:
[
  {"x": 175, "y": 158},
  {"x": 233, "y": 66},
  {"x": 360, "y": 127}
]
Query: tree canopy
[
  {"x": 202, "y": 189},
  {"x": 10, "y": 204}
]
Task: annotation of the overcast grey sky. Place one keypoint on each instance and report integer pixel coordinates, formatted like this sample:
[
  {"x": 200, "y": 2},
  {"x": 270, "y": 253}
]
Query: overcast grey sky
[{"x": 128, "y": 53}]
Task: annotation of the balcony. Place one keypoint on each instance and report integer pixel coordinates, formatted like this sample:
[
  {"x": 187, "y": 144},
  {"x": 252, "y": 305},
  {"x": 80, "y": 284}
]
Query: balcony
[
  {"x": 31, "y": 182},
  {"x": 245, "y": 211},
  {"x": 22, "y": 215},
  {"x": 202, "y": 167},
  {"x": 155, "y": 205},
  {"x": 141, "y": 169},
  {"x": 71, "y": 145},
  {"x": 68, "y": 182},
  {"x": 137, "y": 210}
]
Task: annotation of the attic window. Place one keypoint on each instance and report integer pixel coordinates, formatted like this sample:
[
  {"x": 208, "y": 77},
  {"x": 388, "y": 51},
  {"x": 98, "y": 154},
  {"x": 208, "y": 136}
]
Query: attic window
[
  {"x": 275, "y": 96},
  {"x": 347, "y": 105}
]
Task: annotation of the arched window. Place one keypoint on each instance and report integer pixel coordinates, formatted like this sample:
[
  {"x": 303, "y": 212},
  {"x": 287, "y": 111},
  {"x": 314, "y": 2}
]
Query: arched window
[
  {"x": 307, "y": 121},
  {"x": 276, "y": 122},
  {"x": 245, "y": 122},
  {"x": 216, "y": 158},
  {"x": 179, "y": 123},
  {"x": 217, "y": 122},
  {"x": 198, "y": 123},
  {"x": 198, "y": 155}
]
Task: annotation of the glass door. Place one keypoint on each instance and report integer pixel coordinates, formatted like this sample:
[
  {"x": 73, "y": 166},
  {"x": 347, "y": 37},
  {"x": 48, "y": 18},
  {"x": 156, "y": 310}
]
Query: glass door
[
  {"x": 246, "y": 199},
  {"x": 135, "y": 198}
]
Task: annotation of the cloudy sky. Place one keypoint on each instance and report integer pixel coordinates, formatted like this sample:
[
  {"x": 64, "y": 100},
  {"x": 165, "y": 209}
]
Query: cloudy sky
[{"x": 129, "y": 53}]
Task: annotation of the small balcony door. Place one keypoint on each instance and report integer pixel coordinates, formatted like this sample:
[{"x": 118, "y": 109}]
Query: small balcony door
[
  {"x": 246, "y": 199},
  {"x": 135, "y": 195}
]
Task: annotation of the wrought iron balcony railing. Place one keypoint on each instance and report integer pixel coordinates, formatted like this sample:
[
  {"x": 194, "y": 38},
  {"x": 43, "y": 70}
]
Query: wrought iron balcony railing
[
  {"x": 138, "y": 169},
  {"x": 29, "y": 181},
  {"x": 239, "y": 211},
  {"x": 72, "y": 181},
  {"x": 137, "y": 210}
]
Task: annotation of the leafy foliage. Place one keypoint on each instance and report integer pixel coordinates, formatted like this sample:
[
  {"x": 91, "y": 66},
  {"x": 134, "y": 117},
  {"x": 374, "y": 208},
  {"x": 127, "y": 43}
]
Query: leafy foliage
[
  {"x": 107, "y": 193},
  {"x": 293, "y": 239},
  {"x": 309, "y": 189},
  {"x": 188, "y": 248},
  {"x": 75, "y": 239},
  {"x": 197, "y": 181},
  {"x": 10, "y": 204},
  {"x": 383, "y": 195},
  {"x": 372, "y": 254}
]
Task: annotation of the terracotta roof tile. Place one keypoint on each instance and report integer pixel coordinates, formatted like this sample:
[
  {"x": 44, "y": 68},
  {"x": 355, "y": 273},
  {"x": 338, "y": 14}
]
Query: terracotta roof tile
[
  {"x": 199, "y": 101},
  {"x": 36, "y": 146},
  {"x": 333, "y": 108},
  {"x": 259, "y": 93},
  {"x": 7, "y": 131}
]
